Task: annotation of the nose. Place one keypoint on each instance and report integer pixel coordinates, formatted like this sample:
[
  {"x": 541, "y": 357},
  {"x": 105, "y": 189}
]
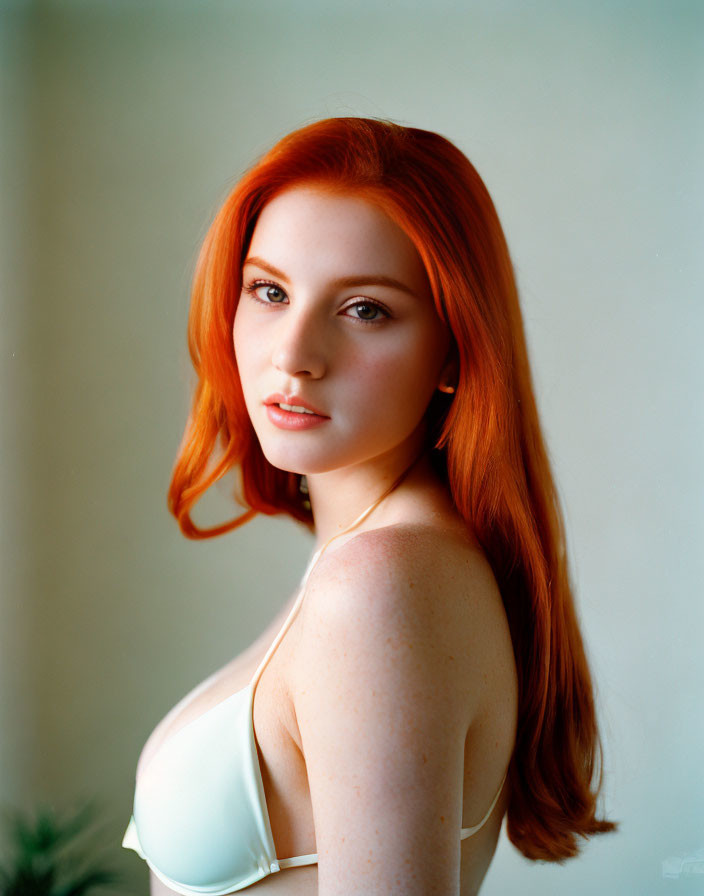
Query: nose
[{"x": 299, "y": 345}]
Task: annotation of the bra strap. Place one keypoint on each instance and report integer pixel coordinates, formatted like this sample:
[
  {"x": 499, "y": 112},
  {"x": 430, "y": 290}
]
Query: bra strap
[
  {"x": 311, "y": 565},
  {"x": 467, "y": 832},
  {"x": 294, "y": 861}
]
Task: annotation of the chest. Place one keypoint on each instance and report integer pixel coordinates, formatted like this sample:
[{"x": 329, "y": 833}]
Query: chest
[
  {"x": 279, "y": 754},
  {"x": 276, "y": 739},
  {"x": 228, "y": 680}
]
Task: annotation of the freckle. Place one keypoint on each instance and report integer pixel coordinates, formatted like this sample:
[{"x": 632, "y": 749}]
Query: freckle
[
  {"x": 452, "y": 657},
  {"x": 425, "y": 758},
  {"x": 442, "y": 819}
]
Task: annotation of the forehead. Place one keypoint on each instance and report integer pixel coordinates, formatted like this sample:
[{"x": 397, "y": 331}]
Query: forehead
[{"x": 309, "y": 228}]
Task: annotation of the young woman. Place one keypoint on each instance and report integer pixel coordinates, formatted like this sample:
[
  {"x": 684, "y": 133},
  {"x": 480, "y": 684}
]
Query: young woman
[{"x": 361, "y": 360}]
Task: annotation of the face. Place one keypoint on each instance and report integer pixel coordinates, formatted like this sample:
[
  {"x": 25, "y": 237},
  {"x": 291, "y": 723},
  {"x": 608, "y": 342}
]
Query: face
[{"x": 335, "y": 316}]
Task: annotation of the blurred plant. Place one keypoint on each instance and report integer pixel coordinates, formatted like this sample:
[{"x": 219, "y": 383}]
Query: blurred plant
[{"x": 46, "y": 860}]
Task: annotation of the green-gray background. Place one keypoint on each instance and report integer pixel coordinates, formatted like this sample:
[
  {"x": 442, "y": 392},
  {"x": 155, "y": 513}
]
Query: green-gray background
[{"x": 123, "y": 127}]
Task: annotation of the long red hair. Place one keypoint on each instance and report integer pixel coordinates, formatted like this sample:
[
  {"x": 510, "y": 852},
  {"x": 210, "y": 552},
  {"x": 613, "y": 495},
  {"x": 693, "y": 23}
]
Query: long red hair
[{"x": 487, "y": 439}]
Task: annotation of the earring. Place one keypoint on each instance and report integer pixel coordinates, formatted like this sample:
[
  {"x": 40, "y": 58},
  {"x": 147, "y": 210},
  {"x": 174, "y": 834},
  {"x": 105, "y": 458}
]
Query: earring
[
  {"x": 444, "y": 387},
  {"x": 303, "y": 489}
]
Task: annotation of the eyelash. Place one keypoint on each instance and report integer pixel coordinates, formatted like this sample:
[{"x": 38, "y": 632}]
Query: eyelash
[{"x": 252, "y": 288}]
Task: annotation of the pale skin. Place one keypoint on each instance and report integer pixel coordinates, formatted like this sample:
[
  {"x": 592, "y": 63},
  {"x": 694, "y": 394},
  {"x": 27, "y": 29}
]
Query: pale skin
[{"x": 386, "y": 718}]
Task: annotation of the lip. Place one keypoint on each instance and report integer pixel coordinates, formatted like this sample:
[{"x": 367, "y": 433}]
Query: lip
[
  {"x": 292, "y": 420},
  {"x": 294, "y": 401}
]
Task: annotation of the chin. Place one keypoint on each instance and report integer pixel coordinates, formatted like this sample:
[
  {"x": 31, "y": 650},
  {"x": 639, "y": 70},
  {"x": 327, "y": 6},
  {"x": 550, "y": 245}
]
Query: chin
[
  {"x": 290, "y": 461},
  {"x": 305, "y": 462}
]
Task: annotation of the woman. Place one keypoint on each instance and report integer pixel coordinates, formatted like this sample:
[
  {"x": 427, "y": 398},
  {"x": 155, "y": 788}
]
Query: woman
[{"x": 356, "y": 332}]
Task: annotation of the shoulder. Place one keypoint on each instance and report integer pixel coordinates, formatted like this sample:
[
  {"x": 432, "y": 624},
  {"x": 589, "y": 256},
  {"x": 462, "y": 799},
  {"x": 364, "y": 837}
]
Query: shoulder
[
  {"x": 417, "y": 594},
  {"x": 418, "y": 571}
]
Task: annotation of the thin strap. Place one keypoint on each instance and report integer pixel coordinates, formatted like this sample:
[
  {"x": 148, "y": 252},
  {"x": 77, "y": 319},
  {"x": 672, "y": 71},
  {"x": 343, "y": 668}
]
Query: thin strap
[
  {"x": 309, "y": 569},
  {"x": 467, "y": 832},
  {"x": 311, "y": 859}
]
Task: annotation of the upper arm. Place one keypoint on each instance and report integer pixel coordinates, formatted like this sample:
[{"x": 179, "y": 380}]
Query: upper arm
[{"x": 383, "y": 707}]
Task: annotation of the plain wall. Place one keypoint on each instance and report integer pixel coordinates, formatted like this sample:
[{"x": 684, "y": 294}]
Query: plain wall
[{"x": 123, "y": 128}]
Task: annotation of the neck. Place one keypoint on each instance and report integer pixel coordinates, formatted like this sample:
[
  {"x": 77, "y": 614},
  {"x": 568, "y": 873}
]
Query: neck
[{"x": 338, "y": 497}]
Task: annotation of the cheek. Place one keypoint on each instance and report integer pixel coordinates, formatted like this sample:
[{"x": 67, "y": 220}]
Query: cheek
[
  {"x": 396, "y": 384},
  {"x": 244, "y": 346},
  {"x": 412, "y": 365}
]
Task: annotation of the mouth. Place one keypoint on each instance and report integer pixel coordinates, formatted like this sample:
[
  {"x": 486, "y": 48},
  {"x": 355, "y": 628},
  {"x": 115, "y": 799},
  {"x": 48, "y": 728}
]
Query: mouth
[
  {"x": 293, "y": 412},
  {"x": 293, "y": 404},
  {"x": 295, "y": 409}
]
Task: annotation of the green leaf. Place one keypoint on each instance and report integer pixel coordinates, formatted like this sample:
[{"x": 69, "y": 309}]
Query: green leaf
[{"x": 47, "y": 860}]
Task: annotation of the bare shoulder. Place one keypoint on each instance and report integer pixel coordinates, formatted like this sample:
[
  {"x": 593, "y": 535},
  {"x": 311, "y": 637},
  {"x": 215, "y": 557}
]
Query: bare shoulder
[
  {"x": 427, "y": 588},
  {"x": 418, "y": 570}
]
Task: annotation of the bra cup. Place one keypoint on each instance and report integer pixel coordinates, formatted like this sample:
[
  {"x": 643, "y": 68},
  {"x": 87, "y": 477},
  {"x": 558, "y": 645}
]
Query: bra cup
[{"x": 200, "y": 824}]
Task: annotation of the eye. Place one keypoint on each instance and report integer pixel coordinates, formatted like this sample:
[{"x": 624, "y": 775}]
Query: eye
[
  {"x": 265, "y": 292},
  {"x": 367, "y": 311}
]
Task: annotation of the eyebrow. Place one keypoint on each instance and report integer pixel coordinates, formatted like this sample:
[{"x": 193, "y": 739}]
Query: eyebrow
[{"x": 364, "y": 280}]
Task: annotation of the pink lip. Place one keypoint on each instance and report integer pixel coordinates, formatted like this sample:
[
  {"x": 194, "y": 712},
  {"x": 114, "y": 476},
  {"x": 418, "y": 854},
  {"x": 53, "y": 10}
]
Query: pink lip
[
  {"x": 292, "y": 420},
  {"x": 294, "y": 401}
]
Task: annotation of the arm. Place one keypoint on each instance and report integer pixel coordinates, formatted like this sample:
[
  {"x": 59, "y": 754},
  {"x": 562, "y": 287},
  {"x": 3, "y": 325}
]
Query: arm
[{"x": 383, "y": 707}]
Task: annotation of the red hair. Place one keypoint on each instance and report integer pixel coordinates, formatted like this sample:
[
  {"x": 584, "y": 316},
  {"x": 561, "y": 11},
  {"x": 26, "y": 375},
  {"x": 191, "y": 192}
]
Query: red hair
[{"x": 487, "y": 439}]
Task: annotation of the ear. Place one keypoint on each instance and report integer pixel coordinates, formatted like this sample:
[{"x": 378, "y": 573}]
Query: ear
[{"x": 449, "y": 375}]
